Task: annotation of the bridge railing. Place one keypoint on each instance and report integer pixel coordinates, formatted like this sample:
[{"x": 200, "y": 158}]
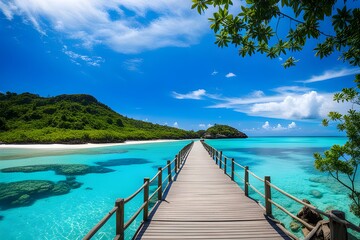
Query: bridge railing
[
  {"x": 172, "y": 169},
  {"x": 338, "y": 223}
]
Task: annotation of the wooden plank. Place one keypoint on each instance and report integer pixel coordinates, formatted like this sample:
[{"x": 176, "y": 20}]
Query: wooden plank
[{"x": 203, "y": 203}]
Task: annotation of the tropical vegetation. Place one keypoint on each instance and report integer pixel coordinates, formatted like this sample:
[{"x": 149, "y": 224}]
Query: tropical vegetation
[
  {"x": 223, "y": 131},
  {"x": 77, "y": 118}
]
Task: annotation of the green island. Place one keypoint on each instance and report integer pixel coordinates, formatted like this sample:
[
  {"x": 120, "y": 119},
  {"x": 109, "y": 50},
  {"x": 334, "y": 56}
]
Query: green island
[
  {"x": 76, "y": 118},
  {"x": 223, "y": 131}
]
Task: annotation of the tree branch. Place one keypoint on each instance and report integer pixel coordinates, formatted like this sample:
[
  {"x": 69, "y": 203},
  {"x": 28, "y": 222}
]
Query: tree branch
[
  {"x": 295, "y": 20},
  {"x": 341, "y": 182}
]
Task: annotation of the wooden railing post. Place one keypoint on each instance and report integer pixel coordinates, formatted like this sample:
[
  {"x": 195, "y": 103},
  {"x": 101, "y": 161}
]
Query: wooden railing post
[
  {"x": 120, "y": 213},
  {"x": 246, "y": 181},
  {"x": 216, "y": 157},
  {"x": 232, "y": 168},
  {"x": 160, "y": 184},
  {"x": 146, "y": 199},
  {"x": 225, "y": 165},
  {"x": 220, "y": 158},
  {"x": 268, "y": 205},
  {"x": 176, "y": 163},
  {"x": 169, "y": 170},
  {"x": 338, "y": 231}
]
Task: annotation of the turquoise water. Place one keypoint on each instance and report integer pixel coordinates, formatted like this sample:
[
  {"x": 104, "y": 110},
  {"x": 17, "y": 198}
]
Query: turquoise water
[
  {"x": 290, "y": 164},
  {"x": 72, "y": 215},
  {"x": 288, "y": 161}
]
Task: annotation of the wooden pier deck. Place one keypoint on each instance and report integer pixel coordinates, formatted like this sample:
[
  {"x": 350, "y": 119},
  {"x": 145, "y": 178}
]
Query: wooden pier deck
[{"x": 203, "y": 203}]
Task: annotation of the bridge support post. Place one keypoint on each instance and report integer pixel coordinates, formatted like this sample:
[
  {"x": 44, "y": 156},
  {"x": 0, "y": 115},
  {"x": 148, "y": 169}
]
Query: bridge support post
[
  {"x": 246, "y": 181},
  {"x": 160, "y": 184},
  {"x": 146, "y": 199},
  {"x": 225, "y": 160},
  {"x": 120, "y": 213},
  {"x": 220, "y": 159},
  {"x": 169, "y": 170},
  {"x": 176, "y": 163},
  {"x": 232, "y": 169},
  {"x": 268, "y": 205},
  {"x": 338, "y": 231}
]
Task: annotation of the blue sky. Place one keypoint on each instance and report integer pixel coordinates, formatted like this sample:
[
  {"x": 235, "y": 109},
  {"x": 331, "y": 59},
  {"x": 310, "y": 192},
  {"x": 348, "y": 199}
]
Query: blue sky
[{"x": 157, "y": 61}]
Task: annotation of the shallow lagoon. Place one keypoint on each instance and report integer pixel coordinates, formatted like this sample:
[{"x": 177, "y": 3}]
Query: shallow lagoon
[
  {"x": 72, "y": 215},
  {"x": 288, "y": 161}
]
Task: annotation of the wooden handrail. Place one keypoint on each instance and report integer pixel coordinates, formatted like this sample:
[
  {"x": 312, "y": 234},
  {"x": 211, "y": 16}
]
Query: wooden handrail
[
  {"x": 268, "y": 185},
  {"x": 307, "y": 225},
  {"x": 100, "y": 223},
  {"x": 255, "y": 176},
  {"x": 237, "y": 164},
  {"x": 120, "y": 204},
  {"x": 128, "y": 199}
]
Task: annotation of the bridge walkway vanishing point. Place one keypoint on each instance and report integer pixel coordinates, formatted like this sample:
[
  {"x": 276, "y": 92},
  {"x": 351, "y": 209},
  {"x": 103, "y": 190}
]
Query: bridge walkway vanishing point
[{"x": 203, "y": 203}]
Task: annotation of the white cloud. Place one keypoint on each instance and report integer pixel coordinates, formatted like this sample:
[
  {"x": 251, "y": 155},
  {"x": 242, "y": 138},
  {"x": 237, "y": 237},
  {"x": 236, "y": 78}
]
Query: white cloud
[
  {"x": 176, "y": 125},
  {"x": 291, "y": 89},
  {"x": 230, "y": 74},
  {"x": 280, "y": 59},
  {"x": 284, "y": 105},
  {"x": 266, "y": 125},
  {"x": 197, "y": 95},
  {"x": 330, "y": 74},
  {"x": 202, "y": 126},
  {"x": 205, "y": 126},
  {"x": 214, "y": 73},
  {"x": 278, "y": 126},
  {"x": 133, "y": 64},
  {"x": 123, "y": 25},
  {"x": 257, "y": 93},
  {"x": 75, "y": 58},
  {"x": 306, "y": 106}
]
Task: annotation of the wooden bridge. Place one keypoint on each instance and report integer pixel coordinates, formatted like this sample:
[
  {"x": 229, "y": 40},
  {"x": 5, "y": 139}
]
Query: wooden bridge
[
  {"x": 203, "y": 203},
  {"x": 199, "y": 201}
]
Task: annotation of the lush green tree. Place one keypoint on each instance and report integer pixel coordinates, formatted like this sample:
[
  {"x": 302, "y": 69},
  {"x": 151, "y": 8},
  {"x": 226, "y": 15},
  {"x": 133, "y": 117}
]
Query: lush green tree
[
  {"x": 342, "y": 161},
  {"x": 255, "y": 27}
]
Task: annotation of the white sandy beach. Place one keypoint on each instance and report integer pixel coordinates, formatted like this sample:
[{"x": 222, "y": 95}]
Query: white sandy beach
[{"x": 78, "y": 146}]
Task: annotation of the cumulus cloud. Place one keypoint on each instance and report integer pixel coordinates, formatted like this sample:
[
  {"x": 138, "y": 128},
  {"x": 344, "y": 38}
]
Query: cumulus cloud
[
  {"x": 266, "y": 125},
  {"x": 285, "y": 104},
  {"x": 197, "y": 95},
  {"x": 304, "y": 106},
  {"x": 330, "y": 74},
  {"x": 230, "y": 74},
  {"x": 278, "y": 127},
  {"x": 122, "y": 25},
  {"x": 77, "y": 58},
  {"x": 176, "y": 125}
]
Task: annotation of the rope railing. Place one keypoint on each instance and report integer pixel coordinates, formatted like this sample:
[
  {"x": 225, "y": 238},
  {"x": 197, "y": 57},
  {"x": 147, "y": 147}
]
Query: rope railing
[
  {"x": 172, "y": 167},
  {"x": 334, "y": 218}
]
